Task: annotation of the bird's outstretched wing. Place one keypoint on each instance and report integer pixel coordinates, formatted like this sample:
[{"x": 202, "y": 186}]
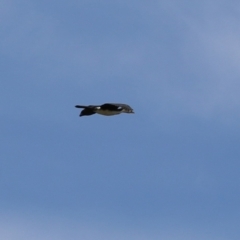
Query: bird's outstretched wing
[{"x": 116, "y": 106}]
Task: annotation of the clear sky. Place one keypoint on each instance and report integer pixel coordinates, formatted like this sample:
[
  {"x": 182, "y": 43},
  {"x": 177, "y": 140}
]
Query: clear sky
[{"x": 168, "y": 172}]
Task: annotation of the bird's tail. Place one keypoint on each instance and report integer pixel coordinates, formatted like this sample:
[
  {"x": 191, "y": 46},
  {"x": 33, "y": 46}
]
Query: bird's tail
[{"x": 80, "y": 106}]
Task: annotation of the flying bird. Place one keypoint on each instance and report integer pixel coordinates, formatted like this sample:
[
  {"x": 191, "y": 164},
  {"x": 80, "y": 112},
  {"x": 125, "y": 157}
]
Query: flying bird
[{"x": 107, "y": 109}]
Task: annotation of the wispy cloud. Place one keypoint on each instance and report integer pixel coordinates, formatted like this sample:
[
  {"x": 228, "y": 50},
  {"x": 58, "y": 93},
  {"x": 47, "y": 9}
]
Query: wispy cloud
[
  {"x": 38, "y": 227},
  {"x": 201, "y": 76}
]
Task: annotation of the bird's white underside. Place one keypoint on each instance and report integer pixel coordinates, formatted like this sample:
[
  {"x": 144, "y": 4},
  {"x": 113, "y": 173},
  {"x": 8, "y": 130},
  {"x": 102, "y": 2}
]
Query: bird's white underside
[{"x": 107, "y": 112}]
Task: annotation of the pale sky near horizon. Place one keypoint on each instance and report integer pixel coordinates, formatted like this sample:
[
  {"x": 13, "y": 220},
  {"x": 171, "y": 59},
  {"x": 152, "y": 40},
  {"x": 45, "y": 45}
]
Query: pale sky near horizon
[{"x": 168, "y": 172}]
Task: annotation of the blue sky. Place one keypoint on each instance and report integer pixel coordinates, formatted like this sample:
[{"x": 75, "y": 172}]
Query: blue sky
[{"x": 170, "y": 171}]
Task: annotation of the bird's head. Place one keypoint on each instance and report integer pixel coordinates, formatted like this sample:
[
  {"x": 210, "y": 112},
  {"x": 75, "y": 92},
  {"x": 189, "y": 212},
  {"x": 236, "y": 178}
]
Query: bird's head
[{"x": 128, "y": 110}]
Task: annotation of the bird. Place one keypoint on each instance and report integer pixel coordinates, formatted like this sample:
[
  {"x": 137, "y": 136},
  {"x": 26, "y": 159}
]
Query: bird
[{"x": 106, "y": 109}]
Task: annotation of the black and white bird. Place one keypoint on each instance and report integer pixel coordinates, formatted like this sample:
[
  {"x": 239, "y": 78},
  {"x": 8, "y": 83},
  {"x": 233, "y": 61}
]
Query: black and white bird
[{"x": 107, "y": 109}]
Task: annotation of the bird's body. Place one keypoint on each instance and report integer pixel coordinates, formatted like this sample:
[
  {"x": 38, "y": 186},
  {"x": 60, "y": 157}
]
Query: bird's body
[{"x": 107, "y": 109}]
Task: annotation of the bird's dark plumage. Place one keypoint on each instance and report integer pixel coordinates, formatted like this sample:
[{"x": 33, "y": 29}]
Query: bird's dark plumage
[{"x": 107, "y": 109}]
